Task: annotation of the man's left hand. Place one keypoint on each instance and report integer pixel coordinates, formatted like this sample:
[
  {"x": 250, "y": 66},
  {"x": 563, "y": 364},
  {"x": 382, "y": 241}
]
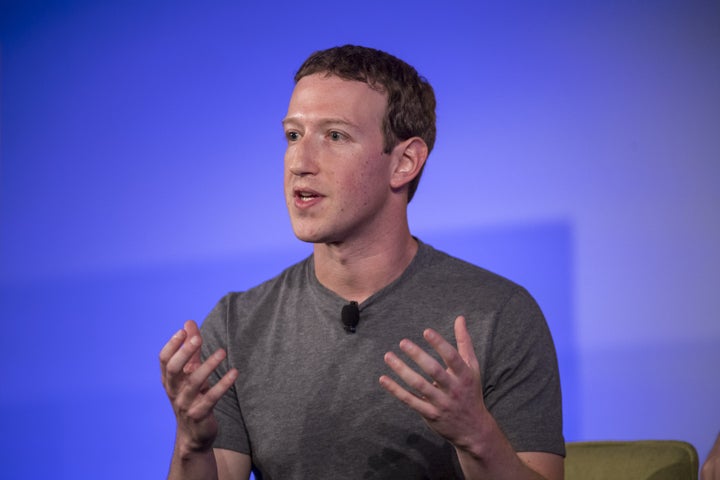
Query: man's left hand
[{"x": 452, "y": 401}]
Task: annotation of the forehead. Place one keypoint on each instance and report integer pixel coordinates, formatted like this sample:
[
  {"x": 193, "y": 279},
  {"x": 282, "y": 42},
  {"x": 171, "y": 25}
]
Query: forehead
[{"x": 320, "y": 96}]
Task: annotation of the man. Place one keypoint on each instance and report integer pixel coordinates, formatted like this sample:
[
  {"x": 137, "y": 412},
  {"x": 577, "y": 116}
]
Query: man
[{"x": 294, "y": 395}]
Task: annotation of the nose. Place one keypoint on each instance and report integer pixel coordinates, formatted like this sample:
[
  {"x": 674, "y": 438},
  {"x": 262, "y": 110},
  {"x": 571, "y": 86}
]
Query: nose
[{"x": 301, "y": 157}]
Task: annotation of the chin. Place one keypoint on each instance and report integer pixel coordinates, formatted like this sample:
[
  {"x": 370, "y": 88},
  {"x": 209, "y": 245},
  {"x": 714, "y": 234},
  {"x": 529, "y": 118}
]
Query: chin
[
  {"x": 305, "y": 238},
  {"x": 304, "y": 235},
  {"x": 314, "y": 236}
]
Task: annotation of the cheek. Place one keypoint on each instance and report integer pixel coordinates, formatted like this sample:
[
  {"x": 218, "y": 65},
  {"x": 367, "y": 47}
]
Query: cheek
[{"x": 371, "y": 183}]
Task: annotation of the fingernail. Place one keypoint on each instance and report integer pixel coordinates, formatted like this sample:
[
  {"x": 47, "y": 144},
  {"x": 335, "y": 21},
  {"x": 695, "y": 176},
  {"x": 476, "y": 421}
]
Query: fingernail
[
  {"x": 195, "y": 341},
  {"x": 406, "y": 345}
]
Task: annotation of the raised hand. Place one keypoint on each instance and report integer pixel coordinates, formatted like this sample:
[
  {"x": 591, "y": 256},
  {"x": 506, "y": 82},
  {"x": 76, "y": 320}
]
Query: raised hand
[
  {"x": 452, "y": 401},
  {"x": 185, "y": 378}
]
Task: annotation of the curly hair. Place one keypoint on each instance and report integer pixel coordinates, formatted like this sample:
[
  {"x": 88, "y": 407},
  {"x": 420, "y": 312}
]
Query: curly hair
[{"x": 410, "y": 108}]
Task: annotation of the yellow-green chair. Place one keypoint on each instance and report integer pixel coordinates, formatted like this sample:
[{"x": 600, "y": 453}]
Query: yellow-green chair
[{"x": 636, "y": 460}]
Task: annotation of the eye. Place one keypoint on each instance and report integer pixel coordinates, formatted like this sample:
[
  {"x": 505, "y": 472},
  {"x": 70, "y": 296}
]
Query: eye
[
  {"x": 292, "y": 136},
  {"x": 336, "y": 136}
]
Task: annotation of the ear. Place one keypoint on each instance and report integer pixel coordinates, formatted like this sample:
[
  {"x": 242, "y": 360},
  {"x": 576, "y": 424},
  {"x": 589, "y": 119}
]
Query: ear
[{"x": 409, "y": 156}]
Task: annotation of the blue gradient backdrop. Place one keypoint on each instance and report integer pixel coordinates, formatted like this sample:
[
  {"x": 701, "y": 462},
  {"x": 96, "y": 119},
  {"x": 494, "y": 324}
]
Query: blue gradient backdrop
[{"x": 140, "y": 180}]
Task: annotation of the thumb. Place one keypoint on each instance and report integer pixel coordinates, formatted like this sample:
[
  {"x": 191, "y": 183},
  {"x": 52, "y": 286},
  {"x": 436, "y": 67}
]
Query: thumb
[{"x": 464, "y": 343}]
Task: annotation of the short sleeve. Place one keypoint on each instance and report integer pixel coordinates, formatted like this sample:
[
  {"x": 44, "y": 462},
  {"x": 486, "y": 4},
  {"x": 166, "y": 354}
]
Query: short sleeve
[
  {"x": 522, "y": 388},
  {"x": 232, "y": 434}
]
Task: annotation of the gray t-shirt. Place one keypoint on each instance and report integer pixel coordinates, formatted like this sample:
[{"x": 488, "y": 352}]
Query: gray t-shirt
[{"x": 308, "y": 404}]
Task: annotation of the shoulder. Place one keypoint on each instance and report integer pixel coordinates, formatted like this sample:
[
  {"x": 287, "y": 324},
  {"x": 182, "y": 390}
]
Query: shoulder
[
  {"x": 259, "y": 300},
  {"x": 290, "y": 279},
  {"x": 457, "y": 277},
  {"x": 443, "y": 263}
]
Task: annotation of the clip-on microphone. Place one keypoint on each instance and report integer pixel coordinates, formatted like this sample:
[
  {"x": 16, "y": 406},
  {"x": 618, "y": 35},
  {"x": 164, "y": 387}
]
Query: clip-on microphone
[{"x": 350, "y": 316}]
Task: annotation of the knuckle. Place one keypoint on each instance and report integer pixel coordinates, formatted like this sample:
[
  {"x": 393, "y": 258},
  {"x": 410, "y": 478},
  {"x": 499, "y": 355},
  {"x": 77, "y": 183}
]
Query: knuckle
[
  {"x": 436, "y": 371},
  {"x": 433, "y": 415},
  {"x": 172, "y": 369},
  {"x": 417, "y": 383},
  {"x": 195, "y": 413}
]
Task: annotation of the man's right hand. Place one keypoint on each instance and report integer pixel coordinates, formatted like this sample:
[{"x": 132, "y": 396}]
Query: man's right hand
[{"x": 185, "y": 378}]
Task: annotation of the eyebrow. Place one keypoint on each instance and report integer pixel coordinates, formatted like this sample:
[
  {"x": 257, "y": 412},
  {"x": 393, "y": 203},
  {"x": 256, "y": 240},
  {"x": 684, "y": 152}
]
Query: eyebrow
[{"x": 323, "y": 123}]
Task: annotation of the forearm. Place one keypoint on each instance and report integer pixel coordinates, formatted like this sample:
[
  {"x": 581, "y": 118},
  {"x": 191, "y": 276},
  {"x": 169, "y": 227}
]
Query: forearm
[
  {"x": 192, "y": 465},
  {"x": 489, "y": 455}
]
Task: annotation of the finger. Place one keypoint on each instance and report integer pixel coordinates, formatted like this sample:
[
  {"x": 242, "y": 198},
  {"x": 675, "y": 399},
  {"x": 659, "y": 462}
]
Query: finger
[
  {"x": 203, "y": 405},
  {"x": 423, "y": 407},
  {"x": 182, "y": 356},
  {"x": 197, "y": 385},
  {"x": 464, "y": 343},
  {"x": 199, "y": 380},
  {"x": 212, "y": 396},
  {"x": 192, "y": 330},
  {"x": 448, "y": 353},
  {"x": 170, "y": 348},
  {"x": 409, "y": 376}
]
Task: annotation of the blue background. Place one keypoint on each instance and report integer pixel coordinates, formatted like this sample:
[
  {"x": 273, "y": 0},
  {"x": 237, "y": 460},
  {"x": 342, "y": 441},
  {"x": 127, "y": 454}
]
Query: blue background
[{"x": 578, "y": 153}]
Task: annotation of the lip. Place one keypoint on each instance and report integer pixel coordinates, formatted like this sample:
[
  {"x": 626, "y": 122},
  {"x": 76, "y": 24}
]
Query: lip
[{"x": 306, "y": 197}]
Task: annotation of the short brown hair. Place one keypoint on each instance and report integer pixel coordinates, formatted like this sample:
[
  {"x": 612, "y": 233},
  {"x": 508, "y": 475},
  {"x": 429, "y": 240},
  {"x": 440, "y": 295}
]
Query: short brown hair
[{"x": 410, "y": 108}]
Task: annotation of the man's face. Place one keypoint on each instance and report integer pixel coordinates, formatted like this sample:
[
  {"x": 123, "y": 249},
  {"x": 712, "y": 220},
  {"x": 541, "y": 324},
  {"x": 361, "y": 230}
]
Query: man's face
[{"x": 337, "y": 178}]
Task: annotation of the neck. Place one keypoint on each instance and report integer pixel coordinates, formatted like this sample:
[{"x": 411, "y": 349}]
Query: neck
[{"x": 356, "y": 270}]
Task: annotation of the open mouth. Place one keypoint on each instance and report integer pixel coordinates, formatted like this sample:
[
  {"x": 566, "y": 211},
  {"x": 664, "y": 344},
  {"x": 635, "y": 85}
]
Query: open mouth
[{"x": 306, "y": 196}]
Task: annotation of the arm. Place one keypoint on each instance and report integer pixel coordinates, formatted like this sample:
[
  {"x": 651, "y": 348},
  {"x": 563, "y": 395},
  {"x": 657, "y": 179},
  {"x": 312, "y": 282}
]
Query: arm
[
  {"x": 453, "y": 406},
  {"x": 185, "y": 379},
  {"x": 711, "y": 468},
  {"x": 232, "y": 465}
]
